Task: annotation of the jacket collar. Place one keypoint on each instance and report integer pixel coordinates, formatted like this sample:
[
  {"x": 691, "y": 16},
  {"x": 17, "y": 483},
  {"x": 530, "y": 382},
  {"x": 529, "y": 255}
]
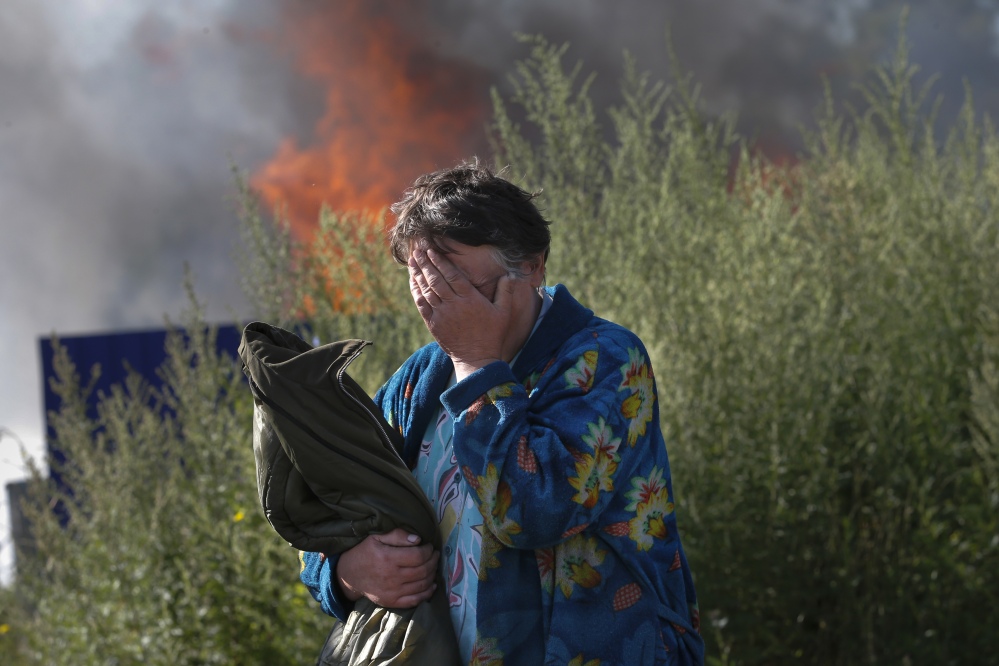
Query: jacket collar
[{"x": 565, "y": 318}]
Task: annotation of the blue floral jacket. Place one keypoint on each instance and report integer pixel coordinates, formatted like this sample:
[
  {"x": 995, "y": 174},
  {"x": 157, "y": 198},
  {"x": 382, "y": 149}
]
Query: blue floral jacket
[{"x": 581, "y": 560}]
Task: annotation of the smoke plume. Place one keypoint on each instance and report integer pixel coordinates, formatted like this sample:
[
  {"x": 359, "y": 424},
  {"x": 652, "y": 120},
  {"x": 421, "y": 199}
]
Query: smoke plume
[{"x": 118, "y": 123}]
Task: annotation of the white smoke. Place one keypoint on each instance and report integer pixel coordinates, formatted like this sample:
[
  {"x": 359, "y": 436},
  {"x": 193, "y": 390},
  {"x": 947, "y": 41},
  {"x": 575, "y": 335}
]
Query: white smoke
[{"x": 117, "y": 124}]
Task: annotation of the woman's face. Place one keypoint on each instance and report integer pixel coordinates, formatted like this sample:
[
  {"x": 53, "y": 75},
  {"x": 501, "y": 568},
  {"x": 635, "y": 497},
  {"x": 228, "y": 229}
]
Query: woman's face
[{"x": 479, "y": 324}]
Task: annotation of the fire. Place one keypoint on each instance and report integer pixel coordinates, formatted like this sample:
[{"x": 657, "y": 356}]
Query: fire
[
  {"x": 776, "y": 168},
  {"x": 394, "y": 108}
]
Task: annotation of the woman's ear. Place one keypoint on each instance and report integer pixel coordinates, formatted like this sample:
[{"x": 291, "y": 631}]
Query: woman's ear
[{"x": 536, "y": 271}]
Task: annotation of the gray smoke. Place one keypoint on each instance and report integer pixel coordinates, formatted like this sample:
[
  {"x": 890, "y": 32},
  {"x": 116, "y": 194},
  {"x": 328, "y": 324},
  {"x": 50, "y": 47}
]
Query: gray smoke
[
  {"x": 116, "y": 131},
  {"x": 118, "y": 122},
  {"x": 764, "y": 59}
]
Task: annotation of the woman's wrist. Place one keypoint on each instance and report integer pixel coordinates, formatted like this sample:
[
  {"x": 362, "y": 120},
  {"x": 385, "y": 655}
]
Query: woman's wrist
[{"x": 343, "y": 589}]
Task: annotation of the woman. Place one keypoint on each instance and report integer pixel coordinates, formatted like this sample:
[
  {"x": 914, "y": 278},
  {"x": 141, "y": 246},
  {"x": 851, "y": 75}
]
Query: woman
[{"x": 533, "y": 428}]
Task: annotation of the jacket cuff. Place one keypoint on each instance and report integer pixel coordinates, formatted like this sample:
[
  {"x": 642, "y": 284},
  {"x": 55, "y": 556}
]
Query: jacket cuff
[
  {"x": 318, "y": 575},
  {"x": 460, "y": 397},
  {"x": 339, "y": 606}
]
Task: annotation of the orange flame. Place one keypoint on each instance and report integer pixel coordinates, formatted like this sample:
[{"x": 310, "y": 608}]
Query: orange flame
[
  {"x": 393, "y": 109},
  {"x": 776, "y": 168}
]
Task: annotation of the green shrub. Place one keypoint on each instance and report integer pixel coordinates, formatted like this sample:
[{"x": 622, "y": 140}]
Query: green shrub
[
  {"x": 825, "y": 337},
  {"x": 165, "y": 556},
  {"x": 825, "y": 342}
]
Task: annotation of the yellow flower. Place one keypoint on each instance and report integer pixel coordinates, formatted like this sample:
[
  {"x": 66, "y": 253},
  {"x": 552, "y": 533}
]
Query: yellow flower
[
  {"x": 581, "y": 374},
  {"x": 644, "y": 489},
  {"x": 238, "y": 516},
  {"x": 485, "y": 652},
  {"x": 578, "y": 661},
  {"x": 576, "y": 564},
  {"x": 595, "y": 472},
  {"x": 490, "y": 546},
  {"x": 637, "y": 407},
  {"x": 501, "y": 391},
  {"x": 488, "y": 398},
  {"x": 649, "y": 522},
  {"x": 587, "y": 482},
  {"x": 650, "y": 501},
  {"x": 584, "y": 575},
  {"x": 497, "y": 496},
  {"x": 4, "y": 628}
]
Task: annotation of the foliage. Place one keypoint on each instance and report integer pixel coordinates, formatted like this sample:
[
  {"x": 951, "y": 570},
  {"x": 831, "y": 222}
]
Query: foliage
[
  {"x": 159, "y": 553},
  {"x": 825, "y": 339}
]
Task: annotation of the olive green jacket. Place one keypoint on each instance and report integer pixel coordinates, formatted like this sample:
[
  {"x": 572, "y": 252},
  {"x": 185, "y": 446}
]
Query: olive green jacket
[{"x": 329, "y": 474}]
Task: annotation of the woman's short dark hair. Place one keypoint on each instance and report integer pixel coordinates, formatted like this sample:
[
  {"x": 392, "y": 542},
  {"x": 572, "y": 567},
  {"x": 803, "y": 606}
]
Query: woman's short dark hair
[{"x": 469, "y": 204}]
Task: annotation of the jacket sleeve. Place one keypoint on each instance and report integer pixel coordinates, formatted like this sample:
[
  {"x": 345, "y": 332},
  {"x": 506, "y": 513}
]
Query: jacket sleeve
[
  {"x": 317, "y": 575},
  {"x": 318, "y": 569},
  {"x": 544, "y": 465}
]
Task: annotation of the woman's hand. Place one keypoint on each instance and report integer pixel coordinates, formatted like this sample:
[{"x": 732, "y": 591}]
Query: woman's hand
[
  {"x": 393, "y": 570},
  {"x": 470, "y": 328}
]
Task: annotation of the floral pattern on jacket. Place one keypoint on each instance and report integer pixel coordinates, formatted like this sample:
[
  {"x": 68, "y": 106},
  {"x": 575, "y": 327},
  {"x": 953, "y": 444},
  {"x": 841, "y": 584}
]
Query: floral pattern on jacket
[{"x": 581, "y": 560}]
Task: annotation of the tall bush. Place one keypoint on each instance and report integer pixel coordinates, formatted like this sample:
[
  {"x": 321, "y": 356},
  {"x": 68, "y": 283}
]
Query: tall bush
[
  {"x": 825, "y": 343},
  {"x": 159, "y": 552},
  {"x": 825, "y": 339}
]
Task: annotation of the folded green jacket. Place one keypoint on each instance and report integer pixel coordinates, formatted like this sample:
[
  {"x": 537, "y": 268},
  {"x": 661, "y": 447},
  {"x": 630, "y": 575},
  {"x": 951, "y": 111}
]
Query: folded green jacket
[{"x": 329, "y": 474}]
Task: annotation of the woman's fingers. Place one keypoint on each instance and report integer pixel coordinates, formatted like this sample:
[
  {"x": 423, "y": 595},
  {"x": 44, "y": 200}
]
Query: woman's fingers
[
  {"x": 390, "y": 569},
  {"x": 440, "y": 267},
  {"x": 398, "y": 537},
  {"x": 438, "y": 278},
  {"x": 412, "y": 600},
  {"x": 433, "y": 285},
  {"x": 426, "y": 311},
  {"x": 422, "y": 283}
]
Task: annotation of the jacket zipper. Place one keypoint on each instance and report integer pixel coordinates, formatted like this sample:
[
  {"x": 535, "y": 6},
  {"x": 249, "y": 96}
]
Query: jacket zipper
[
  {"x": 372, "y": 417},
  {"x": 378, "y": 424}
]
